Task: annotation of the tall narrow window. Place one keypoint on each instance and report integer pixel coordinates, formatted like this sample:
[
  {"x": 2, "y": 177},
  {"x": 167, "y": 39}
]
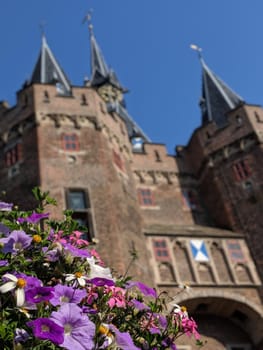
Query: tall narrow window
[
  {"x": 13, "y": 155},
  {"x": 161, "y": 250},
  {"x": 241, "y": 170},
  {"x": 235, "y": 251},
  {"x": 70, "y": 142},
  {"x": 78, "y": 201},
  {"x": 146, "y": 197},
  {"x": 190, "y": 200}
]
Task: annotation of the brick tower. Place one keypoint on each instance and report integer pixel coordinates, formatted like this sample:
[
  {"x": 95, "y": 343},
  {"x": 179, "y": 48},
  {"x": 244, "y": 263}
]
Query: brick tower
[{"x": 193, "y": 217}]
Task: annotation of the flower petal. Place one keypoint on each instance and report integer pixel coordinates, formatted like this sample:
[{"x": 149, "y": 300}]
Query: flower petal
[
  {"x": 20, "y": 297},
  {"x": 81, "y": 281},
  {"x": 7, "y": 287},
  {"x": 10, "y": 277}
]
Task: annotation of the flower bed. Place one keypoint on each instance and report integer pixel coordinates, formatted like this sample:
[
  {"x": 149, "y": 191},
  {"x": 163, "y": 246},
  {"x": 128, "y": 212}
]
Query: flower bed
[{"x": 56, "y": 293}]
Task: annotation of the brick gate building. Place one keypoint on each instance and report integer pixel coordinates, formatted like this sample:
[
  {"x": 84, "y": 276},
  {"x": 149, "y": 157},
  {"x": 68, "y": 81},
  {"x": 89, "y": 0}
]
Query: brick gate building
[{"x": 195, "y": 217}]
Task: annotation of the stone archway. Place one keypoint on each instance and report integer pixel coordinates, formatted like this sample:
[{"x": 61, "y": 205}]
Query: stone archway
[{"x": 225, "y": 318}]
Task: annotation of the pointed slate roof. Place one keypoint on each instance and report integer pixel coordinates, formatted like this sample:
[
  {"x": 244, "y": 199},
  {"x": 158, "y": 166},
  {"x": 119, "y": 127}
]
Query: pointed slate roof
[
  {"x": 48, "y": 71},
  {"x": 134, "y": 131},
  {"x": 100, "y": 73},
  {"x": 217, "y": 98}
]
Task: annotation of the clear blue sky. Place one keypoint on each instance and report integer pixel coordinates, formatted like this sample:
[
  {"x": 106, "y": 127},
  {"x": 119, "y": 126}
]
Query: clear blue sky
[{"x": 147, "y": 43}]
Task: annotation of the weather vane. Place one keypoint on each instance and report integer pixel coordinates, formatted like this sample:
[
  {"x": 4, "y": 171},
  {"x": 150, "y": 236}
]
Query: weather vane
[
  {"x": 42, "y": 26},
  {"x": 197, "y": 49},
  {"x": 88, "y": 18}
]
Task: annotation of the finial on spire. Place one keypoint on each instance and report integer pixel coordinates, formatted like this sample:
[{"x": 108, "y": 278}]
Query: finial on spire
[
  {"x": 197, "y": 49},
  {"x": 42, "y": 25},
  {"x": 88, "y": 19}
]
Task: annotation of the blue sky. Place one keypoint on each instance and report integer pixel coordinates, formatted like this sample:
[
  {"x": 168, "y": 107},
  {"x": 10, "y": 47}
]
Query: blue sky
[{"x": 147, "y": 43}]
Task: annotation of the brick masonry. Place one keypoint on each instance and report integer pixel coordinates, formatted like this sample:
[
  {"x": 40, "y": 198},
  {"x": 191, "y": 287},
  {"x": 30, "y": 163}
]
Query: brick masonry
[{"x": 138, "y": 199}]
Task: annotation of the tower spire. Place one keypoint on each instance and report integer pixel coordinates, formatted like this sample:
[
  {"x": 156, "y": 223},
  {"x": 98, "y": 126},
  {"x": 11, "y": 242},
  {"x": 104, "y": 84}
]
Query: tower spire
[
  {"x": 48, "y": 71},
  {"x": 100, "y": 72},
  {"x": 217, "y": 97}
]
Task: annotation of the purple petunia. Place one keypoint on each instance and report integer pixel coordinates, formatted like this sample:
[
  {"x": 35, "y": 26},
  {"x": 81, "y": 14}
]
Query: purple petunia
[
  {"x": 123, "y": 340},
  {"x": 100, "y": 281},
  {"x": 79, "y": 331},
  {"x": 76, "y": 252},
  {"x": 20, "y": 335},
  {"x": 44, "y": 328},
  {"x": 64, "y": 294},
  {"x": 34, "y": 218},
  {"x": 16, "y": 241},
  {"x": 5, "y": 206},
  {"x": 3, "y": 263},
  {"x": 147, "y": 291},
  {"x": 139, "y": 305},
  {"x": 39, "y": 294},
  {"x": 4, "y": 229}
]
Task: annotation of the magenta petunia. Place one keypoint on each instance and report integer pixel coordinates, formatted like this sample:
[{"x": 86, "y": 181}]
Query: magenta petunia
[
  {"x": 100, "y": 281},
  {"x": 39, "y": 294},
  {"x": 34, "y": 218},
  {"x": 65, "y": 294},
  {"x": 79, "y": 331},
  {"x": 44, "y": 328}
]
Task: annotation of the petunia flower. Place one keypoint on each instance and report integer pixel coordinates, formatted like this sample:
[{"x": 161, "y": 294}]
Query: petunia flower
[
  {"x": 139, "y": 305},
  {"x": 79, "y": 331},
  {"x": 147, "y": 291},
  {"x": 16, "y": 241},
  {"x": 5, "y": 206},
  {"x": 100, "y": 282},
  {"x": 44, "y": 328},
  {"x": 98, "y": 271},
  {"x": 20, "y": 335},
  {"x": 34, "y": 218},
  {"x": 123, "y": 340},
  {"x": 17, "y": 284},
  {"x": 39, "y": 294},
  {"x": 4, "y": 229},
  {"x": 65, "y": 294},
  {"x": 75, "y": 252}
]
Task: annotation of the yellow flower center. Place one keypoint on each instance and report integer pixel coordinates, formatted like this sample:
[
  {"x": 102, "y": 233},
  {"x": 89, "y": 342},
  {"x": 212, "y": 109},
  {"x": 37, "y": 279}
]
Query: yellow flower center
[
  {"x": 104, "y": 330},
  {"x": 67, "y": 329},
  {"x": 37, "y": 239},
  {"x": 78, "y": 274},
  {"x": 45, "y": 328},
  {"x": 21, "y": 283},
  {"x": 183, "y": 308}
]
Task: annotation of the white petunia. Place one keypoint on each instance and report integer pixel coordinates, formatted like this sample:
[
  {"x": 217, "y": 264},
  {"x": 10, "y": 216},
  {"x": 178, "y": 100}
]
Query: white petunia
[{"x": 97, "y": 270}]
